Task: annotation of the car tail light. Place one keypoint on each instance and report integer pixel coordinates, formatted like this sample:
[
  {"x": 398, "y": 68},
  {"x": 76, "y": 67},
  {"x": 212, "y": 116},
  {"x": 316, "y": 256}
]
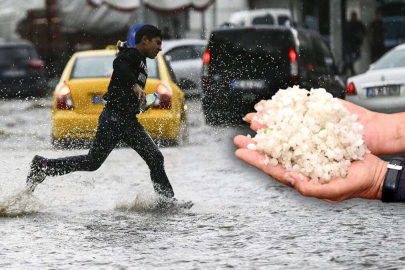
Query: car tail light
[
  {"x": 351, "y": 89},
  {"x": 164, "y": 99},
  {"x": 207, "y": 56},
  {"x": 293, "y": 65},
  {"x": 63, "y": 98},
  {"x": 36, "y": 64},
  {"x": 206, "y": 62}
]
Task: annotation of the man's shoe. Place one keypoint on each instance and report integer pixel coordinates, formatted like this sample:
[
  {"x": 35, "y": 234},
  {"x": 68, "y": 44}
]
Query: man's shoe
[
  {"x": 172, "y": 203},
  {"x": 37, "y": 174}
]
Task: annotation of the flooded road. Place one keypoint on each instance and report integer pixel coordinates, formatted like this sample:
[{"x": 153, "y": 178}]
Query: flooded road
[{"x": 241, "y": 218}]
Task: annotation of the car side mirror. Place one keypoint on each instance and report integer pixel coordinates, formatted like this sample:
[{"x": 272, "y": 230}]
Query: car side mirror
[
  {"x": 371, "y": 67},
  {"x": 187, "y": 84}
]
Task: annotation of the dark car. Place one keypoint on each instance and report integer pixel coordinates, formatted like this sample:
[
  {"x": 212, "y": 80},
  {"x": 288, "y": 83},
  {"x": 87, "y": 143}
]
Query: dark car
[
  {"x": 22, "y": 72},
  {"x": 243, "y": 65}
]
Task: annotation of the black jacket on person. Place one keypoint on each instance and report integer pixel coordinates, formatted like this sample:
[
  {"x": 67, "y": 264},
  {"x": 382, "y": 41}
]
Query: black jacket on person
[
  {"x": 129, "y": 69},
  {"x": 355, "y": 33}
]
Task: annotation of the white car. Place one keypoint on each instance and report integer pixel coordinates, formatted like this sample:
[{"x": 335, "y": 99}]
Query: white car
[
  {"x": 269, "y": 16},
  {"x": 185, "y": 57},
  {"x": 382, "y": 87}
]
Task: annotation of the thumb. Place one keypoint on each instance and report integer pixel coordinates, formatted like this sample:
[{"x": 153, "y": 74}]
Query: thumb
[{"x": 293, "y": 178}]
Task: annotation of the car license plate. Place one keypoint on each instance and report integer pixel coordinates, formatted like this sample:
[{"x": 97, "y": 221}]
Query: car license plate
[
  {"x": 98, "y": 99},
  {"x": 14, "y": 73},
  {"x": 248, "y": 84},
  {"x": 381, "y": 91}
]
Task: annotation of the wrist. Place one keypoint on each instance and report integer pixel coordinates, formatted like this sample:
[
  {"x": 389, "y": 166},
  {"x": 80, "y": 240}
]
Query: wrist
[
  {"x": 389, "y": 139},
  {"x": 380, "y": 176}
]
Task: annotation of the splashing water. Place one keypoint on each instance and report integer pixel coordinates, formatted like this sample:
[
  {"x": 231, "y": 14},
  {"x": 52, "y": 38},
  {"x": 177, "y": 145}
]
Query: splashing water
[
  {"x": 19, "y": 203},
  {"x": 144, "y": 202}
]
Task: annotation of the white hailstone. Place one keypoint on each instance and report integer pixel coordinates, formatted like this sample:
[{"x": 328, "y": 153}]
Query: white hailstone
[
  {"x": 322, "y": 133},
  {"x": 273, "y": 162},
  {"x": 326, "y": 177},
  {"x": 359, "y": 143},
  {"x": 296, "y": 167},
  {"x": 330, "y": 154},
  {"x": 309, "y": 132},
  {"x": 337, "y": 106},
  {"x": 251, "y": 146}
]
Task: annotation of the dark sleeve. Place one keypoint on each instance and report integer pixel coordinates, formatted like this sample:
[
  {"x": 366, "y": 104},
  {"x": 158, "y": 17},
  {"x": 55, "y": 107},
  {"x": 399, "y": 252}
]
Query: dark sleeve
[{"x": 122, "y": 65}]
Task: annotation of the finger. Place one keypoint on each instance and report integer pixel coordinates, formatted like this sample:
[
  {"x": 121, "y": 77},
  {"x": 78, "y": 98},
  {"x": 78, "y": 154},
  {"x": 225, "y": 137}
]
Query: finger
[
  {"x": 242, "y": 141},
  {"x": 256, "y": 159},
  {"x": 255, "y": 126},
  {"x": 334, "y": 191},
  {"x": 259, "y": 104},
  {"x": 248, "y": 117}
]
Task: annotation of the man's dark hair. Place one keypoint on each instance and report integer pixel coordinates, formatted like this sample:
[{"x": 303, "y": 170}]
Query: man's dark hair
[{"x": 150, "y": 31}]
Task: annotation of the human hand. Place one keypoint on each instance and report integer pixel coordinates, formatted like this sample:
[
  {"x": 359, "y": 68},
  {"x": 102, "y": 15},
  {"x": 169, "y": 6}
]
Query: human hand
[
  {"x": 140, "y": 93},
  {"x": 364, "y": 179}
]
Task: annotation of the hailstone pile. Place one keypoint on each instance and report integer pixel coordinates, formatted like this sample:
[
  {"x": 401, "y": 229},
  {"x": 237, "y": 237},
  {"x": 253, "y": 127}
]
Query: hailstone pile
[{"x": 309, "y": 132}]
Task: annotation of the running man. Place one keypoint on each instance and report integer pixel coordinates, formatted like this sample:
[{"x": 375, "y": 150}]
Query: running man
[{"x": 118, "y": 120}]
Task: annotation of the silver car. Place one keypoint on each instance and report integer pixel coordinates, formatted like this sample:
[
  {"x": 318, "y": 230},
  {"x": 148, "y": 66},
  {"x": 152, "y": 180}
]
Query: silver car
[
  {"x": 185, "y": 56},
  {"x": 382, "y": 87}
]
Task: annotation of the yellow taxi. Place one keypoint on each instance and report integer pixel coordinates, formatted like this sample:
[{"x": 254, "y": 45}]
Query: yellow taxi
[{"x": 78, "y": 99}]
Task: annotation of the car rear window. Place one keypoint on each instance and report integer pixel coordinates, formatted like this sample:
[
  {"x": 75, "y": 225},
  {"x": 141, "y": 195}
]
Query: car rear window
[
  {"x": 102, "y": 67},
  {"x": 392, "y": 59},
  {"x": 233, "y": 43},
  {"x": 266, "y": 19},
  {"x": 283, "y": 19},
  {"x": 17, "y": 53}
]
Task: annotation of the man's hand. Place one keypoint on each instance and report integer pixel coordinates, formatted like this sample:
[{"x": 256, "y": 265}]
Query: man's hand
[
  {"x": 140, "y": 93},
  {"x": 364, "y": 179}
]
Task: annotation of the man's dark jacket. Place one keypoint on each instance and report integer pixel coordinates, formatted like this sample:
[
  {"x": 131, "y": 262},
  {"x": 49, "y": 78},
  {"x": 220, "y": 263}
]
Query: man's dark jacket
[{"x": 129, "y": 69}]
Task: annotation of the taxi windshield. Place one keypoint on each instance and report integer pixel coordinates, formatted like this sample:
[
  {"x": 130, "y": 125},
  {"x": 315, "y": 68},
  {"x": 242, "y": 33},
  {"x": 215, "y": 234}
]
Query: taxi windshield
[{"x": 102, "y": 67}]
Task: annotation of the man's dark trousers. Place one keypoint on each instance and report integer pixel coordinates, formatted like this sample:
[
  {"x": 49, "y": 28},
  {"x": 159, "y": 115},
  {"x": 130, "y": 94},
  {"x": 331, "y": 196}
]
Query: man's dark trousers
[{"x": 111, "y": 130}]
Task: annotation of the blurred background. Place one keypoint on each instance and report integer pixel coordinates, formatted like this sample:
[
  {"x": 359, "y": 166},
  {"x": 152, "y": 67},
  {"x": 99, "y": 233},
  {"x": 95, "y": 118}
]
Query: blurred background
[{"x": 58, "y": 28}]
